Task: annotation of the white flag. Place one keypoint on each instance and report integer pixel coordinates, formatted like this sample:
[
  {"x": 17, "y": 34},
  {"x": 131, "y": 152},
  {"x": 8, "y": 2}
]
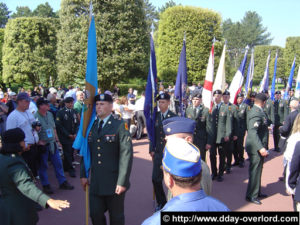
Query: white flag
[
  {"x": 207, "y": 93},
  {"x": 220, "y": 81}
]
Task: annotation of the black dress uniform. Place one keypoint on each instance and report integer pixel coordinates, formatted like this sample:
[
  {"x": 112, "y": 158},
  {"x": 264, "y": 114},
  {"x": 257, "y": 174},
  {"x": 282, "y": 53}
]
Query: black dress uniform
[
  {"x": 257, "y": 139},
  {"x": 220, "y": 126},
  {"x": 111, "y": 161},
  {"x": 240, "y": 127},
  {"x": 201, "y": 117},
  {"x": 157, "y": 173},
  {"x": 67, "y": 124},
  {"x": 278, "y": 120}
]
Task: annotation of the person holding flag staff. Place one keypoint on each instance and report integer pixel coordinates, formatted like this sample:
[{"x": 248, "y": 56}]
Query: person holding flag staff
[
  {"x": 111, "y": 160},
  {"x": 156, "y": 151}
]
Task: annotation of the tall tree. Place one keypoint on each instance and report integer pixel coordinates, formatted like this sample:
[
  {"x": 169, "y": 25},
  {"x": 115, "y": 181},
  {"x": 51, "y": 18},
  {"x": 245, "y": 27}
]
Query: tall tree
[
  {"x": 151, "y": 14},
  {"x": 167, "y": 5},
  {"x": 22, "y": 11},
  {"x": 1, "y": 66},
  {"x": 44, "y": 10},
  {"x": 292, "y": 49},
  {"x": 4, "y": 14},
  {"x": 122, "y": 40},
  {"x": 200, "y": 26},
  {"x": 29, "y": 51}
]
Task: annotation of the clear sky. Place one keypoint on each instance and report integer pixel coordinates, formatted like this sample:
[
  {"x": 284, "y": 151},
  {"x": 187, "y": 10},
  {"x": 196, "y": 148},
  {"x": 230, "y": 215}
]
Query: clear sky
[{"x": 281, "y": 17}]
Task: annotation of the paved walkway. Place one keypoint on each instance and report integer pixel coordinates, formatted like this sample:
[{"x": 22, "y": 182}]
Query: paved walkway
[{"x": 139, "y": 198}]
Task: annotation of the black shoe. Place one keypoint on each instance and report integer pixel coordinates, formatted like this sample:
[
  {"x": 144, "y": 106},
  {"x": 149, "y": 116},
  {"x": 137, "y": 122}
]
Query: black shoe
[
  {"x": 281, "y": 178},
  {"x": 220, "y": 178},
  {"x": 253, "y": 200},
  {"x": 235, "y": 163},
  {"x": 47, "y": 189},
  {"x": 228, "y": 170},
  {"x": 72, "y": 173},
  {"x": 213, "y": 177},
  {"x": 262, "y": 195},
  {"x": 241, "y": 164},
  {"x": 66, "y": 186}
]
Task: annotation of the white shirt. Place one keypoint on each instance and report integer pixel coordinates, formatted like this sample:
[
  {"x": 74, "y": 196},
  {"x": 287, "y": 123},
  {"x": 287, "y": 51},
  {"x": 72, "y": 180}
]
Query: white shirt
[
  {"x": 32, "y": 108},
  {"x": 23, "y": 120},
  {"x": 127, "y": 114},
  {"x": 139, "y": 105}
]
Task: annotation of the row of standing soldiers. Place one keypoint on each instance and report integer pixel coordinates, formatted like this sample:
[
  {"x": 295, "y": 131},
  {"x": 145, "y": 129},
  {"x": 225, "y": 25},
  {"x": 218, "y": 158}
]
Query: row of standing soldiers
[{"x": 221, "y": 130}]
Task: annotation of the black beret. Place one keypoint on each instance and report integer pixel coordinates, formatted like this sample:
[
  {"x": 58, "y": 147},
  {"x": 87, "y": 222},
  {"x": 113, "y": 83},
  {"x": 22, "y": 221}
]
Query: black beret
[
  {"x": 41, "y": 101},
  {"x": 165, "y": 96},
  {"x": 103, "y": 98},
  {"x": 265, "y": 92},
  {"x": 69, "y": 99},
  {"x": 240, "y": 94},
  {"x": 261, "y": 96},
  {"x": 15, "y": 135},
  {"x": 253, "y": 94},
  {"x": 196, "y": 94},
  {"x": 217, "y": 92},
  {"x": 226, "y": 92},
  {"x": 278, "y": 92}
]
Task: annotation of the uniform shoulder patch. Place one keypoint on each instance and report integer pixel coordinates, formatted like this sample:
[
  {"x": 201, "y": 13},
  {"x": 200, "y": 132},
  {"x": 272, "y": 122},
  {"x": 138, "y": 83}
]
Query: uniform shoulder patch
[
  {"x": 229, "y": 108},
  {"x": 126, "y": 126},
  {"x": 256, "y": 124},
  {"x": 57, "y": 118}
]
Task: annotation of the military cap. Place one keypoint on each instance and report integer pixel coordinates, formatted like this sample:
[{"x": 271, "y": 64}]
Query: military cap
[
  {"x": 181, "y": 158},
  {"x": 278, "y": 92},
  {"x": 178, "y": 124},
  {"x": 103, "y": 98},
  {"x": 291, "y": 89},
  {"x": 265, "y": 92},
  {"x": 196, "y": 94},
  {"x": 69, "y": 99},
  {"x": 217, "y": 92},
  {"x": 253, "y": 94},
  {"x": 261, "y": 96},
  {"x": 41, "y": 101},
  {"x": 226, "y": 92},
  {"x": 23, "y": 96},
  {"x": 164, "y": 95},
  {"x": 240, "y": 95}
]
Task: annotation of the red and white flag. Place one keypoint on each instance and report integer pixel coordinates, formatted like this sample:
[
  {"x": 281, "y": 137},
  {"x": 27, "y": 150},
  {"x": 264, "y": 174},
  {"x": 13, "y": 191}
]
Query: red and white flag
[{"x": 207, "y": 92}]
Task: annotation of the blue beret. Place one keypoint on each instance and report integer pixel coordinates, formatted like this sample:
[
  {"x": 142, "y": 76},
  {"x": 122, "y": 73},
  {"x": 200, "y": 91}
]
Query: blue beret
[
  {"x": 178, "y": 124},
  {"x": 181, "y": 158}
]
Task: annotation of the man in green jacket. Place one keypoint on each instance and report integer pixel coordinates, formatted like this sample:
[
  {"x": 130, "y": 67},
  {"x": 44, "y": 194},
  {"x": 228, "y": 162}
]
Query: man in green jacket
[
  {"x": 256, "y": 147},
  {"x": 111, "y": 160}
]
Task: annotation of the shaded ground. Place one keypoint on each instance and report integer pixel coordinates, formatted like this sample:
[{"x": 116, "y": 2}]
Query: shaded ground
[{"x": 139, "y": 198}]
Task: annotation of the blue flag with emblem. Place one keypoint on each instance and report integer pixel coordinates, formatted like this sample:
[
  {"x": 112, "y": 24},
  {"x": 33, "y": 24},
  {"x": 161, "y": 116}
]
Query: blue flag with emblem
[
  {"x": 274, "y": 79},
  {"x": 181, "y": 80},
  {"x": 290, "y": 81},
  {"x": 91, "y": 85},
  {"x": 150, "y": 107}
]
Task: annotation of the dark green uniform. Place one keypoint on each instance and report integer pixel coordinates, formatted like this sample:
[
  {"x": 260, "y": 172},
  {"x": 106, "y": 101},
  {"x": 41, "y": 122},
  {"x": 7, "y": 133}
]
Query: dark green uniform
[
  {"x": 67, "y": 124},
  {"x": 269, "y": 109},
  {"x": 230, "y": 145},
  {"x": 201, "y": 116},
  {"x": 18, "y": 192},
  {"x": 111, "y": 162},
  {"x": 240, "y": 127},
  {"x": 257, "y": 139},
  {"x": 220, "y": 126},
  {"x": 157, "y": 173},
  {"x": 278, "y": 121}
]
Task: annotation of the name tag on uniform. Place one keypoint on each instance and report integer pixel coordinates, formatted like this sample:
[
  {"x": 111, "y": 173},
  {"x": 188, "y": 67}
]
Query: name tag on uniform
[{"x": 49, "y": 133}]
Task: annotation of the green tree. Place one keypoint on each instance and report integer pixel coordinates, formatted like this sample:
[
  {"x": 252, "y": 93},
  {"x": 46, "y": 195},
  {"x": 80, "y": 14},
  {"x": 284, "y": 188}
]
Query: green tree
[
  {"x": 4, "y": 14},
  {"x": 1, "y": 66},
  {"x": 22, "y": 11},
  {"x": 201, "y": 26},
  {"x": 167, "y": 5},
  {"x": 44, "y": 10},
  {"x": 260, "y": 59},
  {"x": 122, "y": 40},
  {"x": 29, "y": 51},
  {"x": 292, "y": 49},
  {"x": 151, "y": 14}
]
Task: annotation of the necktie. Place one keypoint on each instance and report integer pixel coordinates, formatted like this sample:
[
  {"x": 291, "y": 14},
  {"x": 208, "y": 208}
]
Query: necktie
[{"x": 100, "y": 126}]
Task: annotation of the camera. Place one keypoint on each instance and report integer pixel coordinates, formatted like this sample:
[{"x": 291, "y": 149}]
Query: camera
[{"x": 36, "y": 124}]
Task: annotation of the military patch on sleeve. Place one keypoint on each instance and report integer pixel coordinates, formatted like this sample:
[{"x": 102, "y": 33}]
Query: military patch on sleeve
[
  {"x": 229, "y": 108},
  {"x": 126, "y": 126},
  {"x": 57, "y": 118},
  {"x": 256, "y": 124}
]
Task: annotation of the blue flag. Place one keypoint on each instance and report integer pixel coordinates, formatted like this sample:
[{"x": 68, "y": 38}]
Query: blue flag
[
  {"x": 274, "y": 79},
  {"x": 249, "y": 79},
  {"x": 150, "y": 107},
  {"x": 89, "y": 113},
  {"x": 290, "y": 81},
  {"x": 264, "y": 85},
  {"x": 181, "y": 80}
]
